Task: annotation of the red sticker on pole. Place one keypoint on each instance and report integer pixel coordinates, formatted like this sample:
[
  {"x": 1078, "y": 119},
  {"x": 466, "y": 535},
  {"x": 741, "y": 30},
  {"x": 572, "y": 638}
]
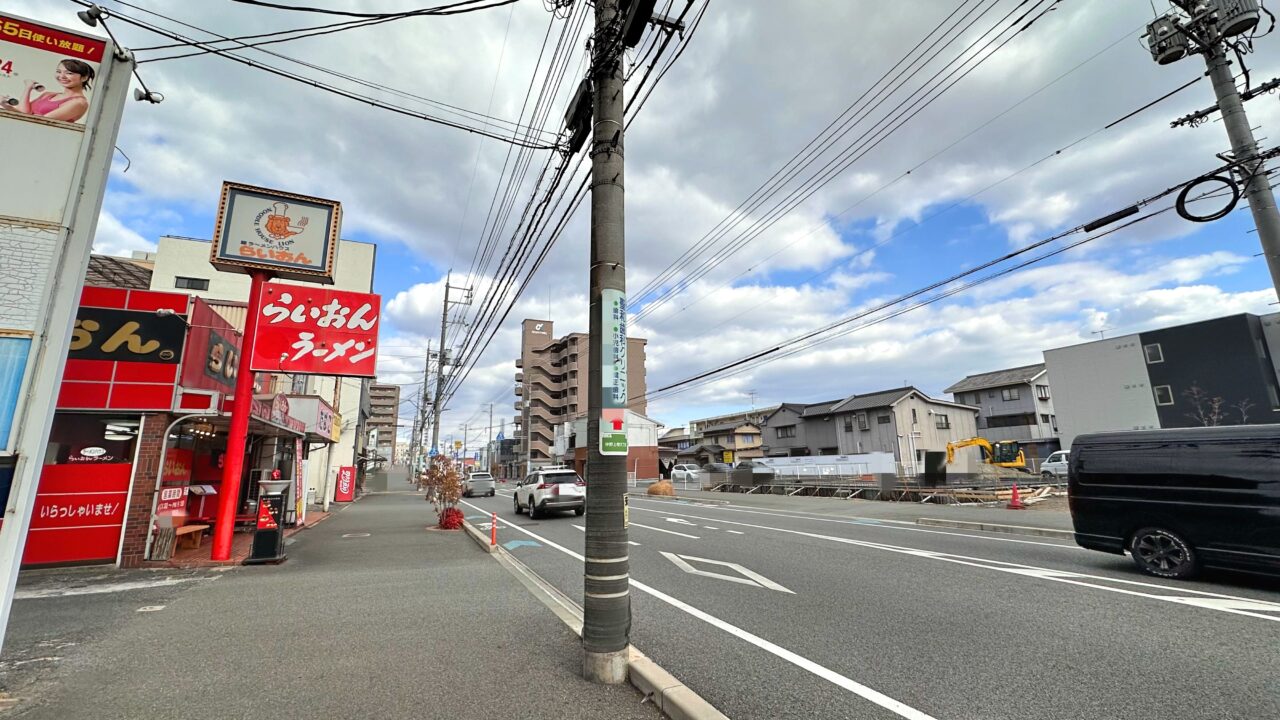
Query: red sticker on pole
[
  {"x": 346, "y": 489},
  {"x": 266, "y": 521},
  {"x": 317, "y": 331}
]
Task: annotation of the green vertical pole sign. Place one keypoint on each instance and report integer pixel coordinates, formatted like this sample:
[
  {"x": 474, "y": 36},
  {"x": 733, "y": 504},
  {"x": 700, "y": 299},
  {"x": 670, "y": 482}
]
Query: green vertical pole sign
[{"x": 613, "y": 411}]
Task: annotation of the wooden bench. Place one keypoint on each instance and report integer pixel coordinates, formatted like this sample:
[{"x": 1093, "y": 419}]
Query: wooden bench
[{"x": 190, "y": 534}]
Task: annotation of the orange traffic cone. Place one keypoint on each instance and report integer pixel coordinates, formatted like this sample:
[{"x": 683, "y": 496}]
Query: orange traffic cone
[{"x": 1015, "y": 502}]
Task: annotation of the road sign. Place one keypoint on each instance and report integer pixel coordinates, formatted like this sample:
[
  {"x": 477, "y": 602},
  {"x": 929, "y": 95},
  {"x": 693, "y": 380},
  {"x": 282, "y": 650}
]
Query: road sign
[
  {"x": 613, "y": 411},
  {"x": 432, "y": 452}
]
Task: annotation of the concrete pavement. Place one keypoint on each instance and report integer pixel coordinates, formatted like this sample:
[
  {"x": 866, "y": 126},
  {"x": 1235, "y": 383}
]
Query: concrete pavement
[
  {"x": 777, "y": 613},
  {"x": 373, "y": 615}
]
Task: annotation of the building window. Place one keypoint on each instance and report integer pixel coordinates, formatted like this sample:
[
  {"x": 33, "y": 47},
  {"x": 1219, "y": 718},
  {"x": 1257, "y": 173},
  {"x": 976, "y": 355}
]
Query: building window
[
  {"x": 991, "y": 393},
  {"x": 1016, "y": 420},
  {"x": 1154, "y": 354},
  {"x": 862, "y": 422},
  {"x": 914, "y": 420},
  {"x": 1044, "y": 419},
  {"x": 883, "y": 419},
  {"x": 1275, "y": 398},
  {"x": 1042, "y": 392},
  {"x": 190, "y": 283},
  {"x": 1164, "y": 395},
  {"x": 1010, "y": 394},
  {"x": 942, "y": 422},
  {"x": 787, "y": 432},
  {"x": 848, "y": 424}
]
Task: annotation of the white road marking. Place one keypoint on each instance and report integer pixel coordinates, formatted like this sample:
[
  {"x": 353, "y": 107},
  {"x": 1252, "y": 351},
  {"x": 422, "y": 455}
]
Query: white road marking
[
  {"x": 678, "y": 521},
  {"x": 66, "y": 591},
  {"x": 831, "y": 676},
  {"x": 669, "y": 532},
  {"x": 629, "y": 542},
  {"x": 747, "y": 577},
  {"x": 708, "y": 527},
  {"x": 735, "y": 532},
  {"x": 876, "y": 522},
  {"x": 1049, "y": 574},
  {"x": 150, "y": 608}
]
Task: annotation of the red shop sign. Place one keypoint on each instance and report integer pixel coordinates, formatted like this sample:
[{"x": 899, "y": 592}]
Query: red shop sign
[
  {"x": 346, "y": 490},
  {"x": 317, "y": 331}
]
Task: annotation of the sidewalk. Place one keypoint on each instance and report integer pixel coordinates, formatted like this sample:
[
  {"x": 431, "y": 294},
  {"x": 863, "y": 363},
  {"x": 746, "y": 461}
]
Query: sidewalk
[
  {"x": 404, "y": 622},
  {"x": 1054, "y": 519}
]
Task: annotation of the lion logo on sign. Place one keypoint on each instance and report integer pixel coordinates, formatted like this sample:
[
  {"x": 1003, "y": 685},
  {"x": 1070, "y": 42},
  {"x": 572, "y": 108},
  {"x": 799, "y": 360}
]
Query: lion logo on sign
[{"x": 278, "y": 225}]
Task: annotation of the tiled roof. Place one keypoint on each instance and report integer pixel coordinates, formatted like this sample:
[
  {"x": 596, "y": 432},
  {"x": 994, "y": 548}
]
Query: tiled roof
[
  {"x": 821, "y": 408},
  {"x": 884, "y": 398},
  {"x": 107, "y": 271},
  {"x": 999, "y": 378}
]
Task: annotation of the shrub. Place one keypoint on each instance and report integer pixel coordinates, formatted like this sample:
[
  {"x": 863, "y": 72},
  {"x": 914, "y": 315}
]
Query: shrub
[{"x": 662, "y": 487}]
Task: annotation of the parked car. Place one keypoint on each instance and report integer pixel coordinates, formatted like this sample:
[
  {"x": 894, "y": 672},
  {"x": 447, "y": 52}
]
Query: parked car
[
  {"x": 1054, "y": 467},
  {"x": 687, "y": 472},
  {"x": 551, "y": 489},
  {"x": 1179, "y": 500},
  {"x": 479, "y": 483}
]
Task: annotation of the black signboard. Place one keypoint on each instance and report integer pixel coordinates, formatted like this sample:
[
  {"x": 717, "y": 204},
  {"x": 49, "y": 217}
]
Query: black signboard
[{"x": 127, "y": 336}]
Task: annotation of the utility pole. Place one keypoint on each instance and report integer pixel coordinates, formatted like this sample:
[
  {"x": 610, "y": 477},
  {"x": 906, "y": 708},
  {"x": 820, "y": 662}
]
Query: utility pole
[
  {"x": 444, "y": 359},
  {"x": 488, "y": 448},
  {"x": 606, "y": 624},
  {"x": 1211, "y": 28}
]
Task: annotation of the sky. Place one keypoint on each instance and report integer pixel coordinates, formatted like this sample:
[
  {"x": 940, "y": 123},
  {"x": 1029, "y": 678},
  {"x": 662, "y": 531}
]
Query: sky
[{"x": 912, "y": 191}]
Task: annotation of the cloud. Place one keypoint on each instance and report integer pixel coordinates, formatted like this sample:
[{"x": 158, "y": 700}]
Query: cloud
[{"x": 113, "y": 238}]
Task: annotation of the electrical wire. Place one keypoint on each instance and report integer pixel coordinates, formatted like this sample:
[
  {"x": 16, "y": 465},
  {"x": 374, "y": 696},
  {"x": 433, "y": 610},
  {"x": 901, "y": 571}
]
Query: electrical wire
[{"x": 449, "y": 9}]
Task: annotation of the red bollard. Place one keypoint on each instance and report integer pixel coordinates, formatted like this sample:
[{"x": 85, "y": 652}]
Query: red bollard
[{"x": 493, "y": 530}]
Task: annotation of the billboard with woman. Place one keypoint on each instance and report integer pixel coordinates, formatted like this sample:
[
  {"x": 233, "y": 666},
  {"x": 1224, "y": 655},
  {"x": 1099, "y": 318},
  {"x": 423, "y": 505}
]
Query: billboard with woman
[{"x": 47, "y": 72}]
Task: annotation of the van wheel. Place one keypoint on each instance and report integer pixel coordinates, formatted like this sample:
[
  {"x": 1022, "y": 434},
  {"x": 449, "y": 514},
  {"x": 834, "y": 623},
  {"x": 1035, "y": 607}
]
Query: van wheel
[{"x": 1163, "y": 553}]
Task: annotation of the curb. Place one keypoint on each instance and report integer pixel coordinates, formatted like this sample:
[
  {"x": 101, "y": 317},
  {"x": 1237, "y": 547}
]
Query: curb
[
  {"x": 658, "y": 686},
  {"x": 997, "y": 528}
]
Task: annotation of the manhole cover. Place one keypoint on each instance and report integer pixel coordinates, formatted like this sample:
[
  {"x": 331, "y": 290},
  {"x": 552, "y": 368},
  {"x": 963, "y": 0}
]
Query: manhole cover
[{"x": 357, "y": 535}]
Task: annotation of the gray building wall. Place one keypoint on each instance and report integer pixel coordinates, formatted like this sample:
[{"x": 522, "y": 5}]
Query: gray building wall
[
  {"x": 821, "y": 434},
  {"x": 924, "y": 431},
  {"x": 991, "y": 403},
  {"x": 777, "y": 446}
]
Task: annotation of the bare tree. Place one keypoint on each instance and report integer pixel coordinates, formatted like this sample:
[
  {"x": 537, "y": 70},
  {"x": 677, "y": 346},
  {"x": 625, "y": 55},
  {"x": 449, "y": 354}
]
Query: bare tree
[
  {"x": 1206, "y": 409},
  {"x": 1243, "y": 407}
]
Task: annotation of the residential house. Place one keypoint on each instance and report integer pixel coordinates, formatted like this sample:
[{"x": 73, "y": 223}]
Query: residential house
[
  {"x": 697, "y": 428},
  {"x": 1013, "y": 404},
  {"x": 1222, "y": 371},
  {"x": 906, "y": 422},
  {"x": 740, "y": 440},
  {"x": 797, "y": 430}
]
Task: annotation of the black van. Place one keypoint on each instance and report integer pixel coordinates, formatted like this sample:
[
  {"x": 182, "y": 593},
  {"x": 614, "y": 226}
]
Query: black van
[{"x": 1181, "y": 499}]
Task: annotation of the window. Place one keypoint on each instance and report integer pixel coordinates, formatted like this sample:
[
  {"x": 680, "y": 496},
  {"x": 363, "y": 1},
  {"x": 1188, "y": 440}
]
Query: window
[
  {"x": 848, "y": 423},
  {"x": 862, "y": 422},
  {"x": 1010, "y": 394},
  {"x": 1275, "y": 398},
  {"x": 1015, "y": 420},
  {"x": 1164, "y": 395},
  {"x": 190, "y": 283},
  {"x": 299, "y": 384},
  {"x": 942, "y": 422},
  {"x": 1044, "y": 419},
  {"x": 1042, "y": 392},
  {"x": 883, "y": 419},
  {"x": 991, "y": 393},
  {"x": 1154, "y": 355},
  {"x": 787, "y": 432},
  {"x": 914, "y": 419}
]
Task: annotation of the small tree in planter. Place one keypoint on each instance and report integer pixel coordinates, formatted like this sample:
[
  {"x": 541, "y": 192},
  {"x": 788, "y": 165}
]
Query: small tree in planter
[{"x": 444, "y": 490}]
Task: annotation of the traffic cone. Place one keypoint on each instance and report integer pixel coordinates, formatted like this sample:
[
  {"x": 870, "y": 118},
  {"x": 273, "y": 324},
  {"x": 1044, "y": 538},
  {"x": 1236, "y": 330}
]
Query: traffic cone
[{"x": 1015, "y": 502}]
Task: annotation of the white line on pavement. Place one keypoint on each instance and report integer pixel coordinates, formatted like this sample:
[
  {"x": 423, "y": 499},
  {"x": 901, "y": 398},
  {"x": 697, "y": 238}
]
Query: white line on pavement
[
  {"x": 735, "y": 532},
  {"x": 629, "y": 542},
  {"x": 747, "y": 577},
  {"x": 874, "y": 522},
  {"x": 669, "y": 532},
  {"x": 799, "y": 661},
  {"x": 1070, "y": 578}
]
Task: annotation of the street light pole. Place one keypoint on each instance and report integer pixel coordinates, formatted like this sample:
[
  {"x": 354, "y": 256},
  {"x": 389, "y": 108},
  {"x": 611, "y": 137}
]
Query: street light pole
[{"x": 606, "y": 624}]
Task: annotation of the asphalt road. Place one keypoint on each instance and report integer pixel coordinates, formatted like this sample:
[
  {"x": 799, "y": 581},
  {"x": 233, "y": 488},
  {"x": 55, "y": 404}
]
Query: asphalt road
[{"x": 773, "y": 612}]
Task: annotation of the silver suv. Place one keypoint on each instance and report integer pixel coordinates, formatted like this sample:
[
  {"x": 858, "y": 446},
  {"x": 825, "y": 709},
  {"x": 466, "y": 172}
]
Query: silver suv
[
  {"x": 479, "y": 483},
  {"x": 551, "y": 489}
]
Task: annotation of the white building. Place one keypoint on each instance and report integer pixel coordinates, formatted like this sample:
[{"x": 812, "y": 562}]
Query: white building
[{"x": 182, "y": 265}]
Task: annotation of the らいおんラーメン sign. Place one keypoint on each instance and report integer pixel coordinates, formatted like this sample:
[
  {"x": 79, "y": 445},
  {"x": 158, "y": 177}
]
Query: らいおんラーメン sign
[{"x": 292, "y": 236}]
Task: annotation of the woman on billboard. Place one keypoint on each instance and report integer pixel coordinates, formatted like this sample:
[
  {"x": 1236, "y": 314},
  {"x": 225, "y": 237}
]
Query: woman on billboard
[{"x": 69, "y": 105}]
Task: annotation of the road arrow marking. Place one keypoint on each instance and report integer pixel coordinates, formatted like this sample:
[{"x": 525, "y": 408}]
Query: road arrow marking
[
  {"x": 513, "y": 544},
  {"x": 745, "y": 576}
]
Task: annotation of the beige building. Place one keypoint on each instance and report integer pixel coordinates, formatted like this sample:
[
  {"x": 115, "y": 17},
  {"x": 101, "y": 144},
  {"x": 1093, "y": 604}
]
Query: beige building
[
  {"x": 742, "y": 440},
  {"x": 551, "y": 386},
  {"x": 384, "y": 413}
]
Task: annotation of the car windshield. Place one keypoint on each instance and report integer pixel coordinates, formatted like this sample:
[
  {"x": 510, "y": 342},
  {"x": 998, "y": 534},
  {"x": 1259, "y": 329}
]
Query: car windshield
[{"x": 559, "y": 477}]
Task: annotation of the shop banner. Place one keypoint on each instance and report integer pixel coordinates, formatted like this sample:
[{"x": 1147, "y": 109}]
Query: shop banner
[
  {"x": 47, "y": 72},
  {"x": 345, "y": 491},
  {"x": 213, "y": 351},
  {"x": 299, "y": 483},
  {"x": 317, "y": 331},
  {"x": 173, "y": 501},
  {"x": 127, "y": 336},
  {"x": 293, "y": 236},
  {"x": 613, "y": 412}
]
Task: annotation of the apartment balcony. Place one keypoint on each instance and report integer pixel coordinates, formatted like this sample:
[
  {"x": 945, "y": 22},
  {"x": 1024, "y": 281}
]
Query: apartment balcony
[
  {"x": 519, "y": 390},
  {"x": 519, "y": 362},
  {"x": 519, "y": 377},
  {"x": 519, "y": 405}
]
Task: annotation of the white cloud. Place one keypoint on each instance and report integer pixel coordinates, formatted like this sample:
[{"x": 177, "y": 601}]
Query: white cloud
[{"x": 113, "y": 238}]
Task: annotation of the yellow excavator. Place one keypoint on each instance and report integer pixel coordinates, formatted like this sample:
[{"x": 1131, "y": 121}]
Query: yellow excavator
[{"x": 1004, "y": 453}]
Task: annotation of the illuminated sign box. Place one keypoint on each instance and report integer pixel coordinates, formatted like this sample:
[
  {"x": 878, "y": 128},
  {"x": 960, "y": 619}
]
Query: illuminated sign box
[{"x": 294, "y": 237}]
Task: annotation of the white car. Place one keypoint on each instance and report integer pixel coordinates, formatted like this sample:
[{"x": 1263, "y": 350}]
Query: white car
[
  {"x": 479, "y": 483},
  {"x": 1054, "y": 467},
  {"x": 684, "y": 472},
  {"x": 551, "y": 489}
]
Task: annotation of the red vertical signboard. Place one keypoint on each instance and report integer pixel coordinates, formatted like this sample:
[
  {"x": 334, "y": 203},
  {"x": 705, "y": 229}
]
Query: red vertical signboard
[{"x": 346, "y": 487}]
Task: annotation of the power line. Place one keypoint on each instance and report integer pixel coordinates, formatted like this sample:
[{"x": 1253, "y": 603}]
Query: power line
[
  {"x": 439, "y": 10},
  {"x": 529, "y": 143}
]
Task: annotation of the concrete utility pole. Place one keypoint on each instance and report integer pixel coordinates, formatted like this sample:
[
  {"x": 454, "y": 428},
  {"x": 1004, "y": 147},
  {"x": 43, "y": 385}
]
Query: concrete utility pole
[
  {"x": 607, "y": 601},
  {"x": 1212, "y": 28},
  {"x": 488, "y": 448},
  {"x": 444, "y": 359}
]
